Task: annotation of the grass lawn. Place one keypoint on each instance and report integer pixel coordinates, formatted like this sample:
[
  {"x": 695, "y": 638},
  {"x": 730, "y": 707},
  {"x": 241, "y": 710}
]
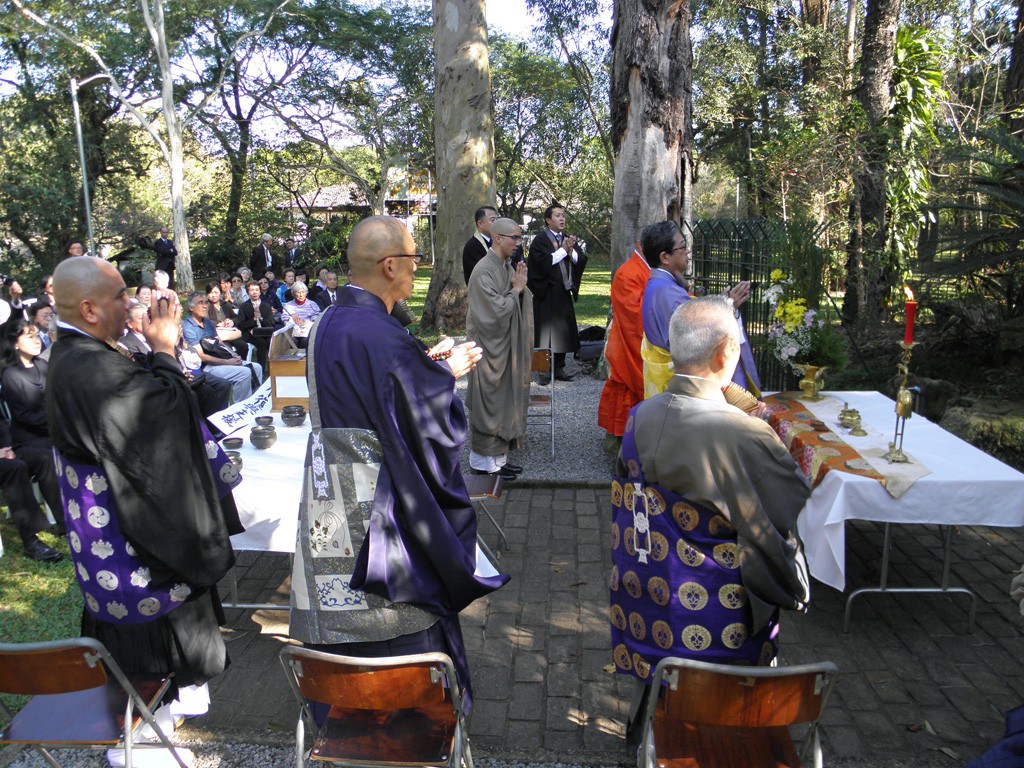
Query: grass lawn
[
  {"x": 591, "y": 309},
  {"x": 38, "y": 601}
]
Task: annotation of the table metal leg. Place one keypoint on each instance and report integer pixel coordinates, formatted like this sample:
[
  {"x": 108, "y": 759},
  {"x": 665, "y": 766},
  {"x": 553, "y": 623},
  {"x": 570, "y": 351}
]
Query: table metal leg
[
  {"x": 234, "y": 603},
  {"x": 943, "y": 589}
]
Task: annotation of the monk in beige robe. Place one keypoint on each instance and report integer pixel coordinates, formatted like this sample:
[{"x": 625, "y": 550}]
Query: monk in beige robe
[{"x": 500, "y": 320}]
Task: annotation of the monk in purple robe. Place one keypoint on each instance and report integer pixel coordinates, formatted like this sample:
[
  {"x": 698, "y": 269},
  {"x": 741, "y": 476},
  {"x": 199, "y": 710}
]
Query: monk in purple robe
[{"x": 369, "y": 374}]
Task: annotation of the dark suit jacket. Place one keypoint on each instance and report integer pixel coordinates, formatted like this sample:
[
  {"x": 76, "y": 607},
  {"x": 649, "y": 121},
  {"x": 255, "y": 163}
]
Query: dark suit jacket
[
  {"x": 246, "y": 319},
  {"x": 258, "y": 262},
  {"x": 323, "y": 299},
  {"x": 165, "y": 255},
  {"x": 553, "y": 311},
  {"x": 131, "y": 342},
  {"x": 472, "y": 252}
]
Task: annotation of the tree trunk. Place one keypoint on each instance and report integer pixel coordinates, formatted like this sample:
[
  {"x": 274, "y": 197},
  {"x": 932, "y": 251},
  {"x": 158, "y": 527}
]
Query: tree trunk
[
  {"x": 464, "y": 146},
  {"x": 1013, "y": 96},
  {"x": 651, "y": 116},
  {"x": 239, "y": 164},
  {"x": 866, "y": 250},
  {"x": 849, "y": 42}
]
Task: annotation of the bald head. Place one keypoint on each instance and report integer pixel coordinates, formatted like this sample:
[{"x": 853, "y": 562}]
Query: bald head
[
  {"x": 90, "y": 295},
  {"x": 505, "y": 227},
  {"x": 373, "y": 239}
]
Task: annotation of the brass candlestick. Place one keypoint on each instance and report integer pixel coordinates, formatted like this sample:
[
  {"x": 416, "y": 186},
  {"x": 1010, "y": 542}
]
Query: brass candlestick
[{"x": 904, "y": 409}]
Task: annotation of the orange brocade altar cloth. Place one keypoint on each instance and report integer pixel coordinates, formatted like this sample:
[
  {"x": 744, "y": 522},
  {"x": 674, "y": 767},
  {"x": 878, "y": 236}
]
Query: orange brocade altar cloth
[{"x": 816, "y": 448}]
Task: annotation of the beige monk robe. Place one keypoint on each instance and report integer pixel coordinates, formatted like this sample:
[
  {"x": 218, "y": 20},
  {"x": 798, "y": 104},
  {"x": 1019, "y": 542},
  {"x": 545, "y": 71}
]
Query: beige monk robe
[{"x": 501, "y": 322}]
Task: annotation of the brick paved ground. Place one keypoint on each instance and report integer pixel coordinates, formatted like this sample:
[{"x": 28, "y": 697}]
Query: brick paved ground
[{"x": 916, "y": 688}]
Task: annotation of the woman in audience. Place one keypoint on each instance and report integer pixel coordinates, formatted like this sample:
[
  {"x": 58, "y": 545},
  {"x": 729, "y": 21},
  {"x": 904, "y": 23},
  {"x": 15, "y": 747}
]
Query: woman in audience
[
  {"x": 284, "y": 290},
  {"x": 237, "y": 294},
  {"x": 223, "y": 315},
  {"x": 23, "y": 387},
  {"x": 144, "y": 295},
  {"x": 301, "y": 312},
  {"x": 256, "y": 322}
]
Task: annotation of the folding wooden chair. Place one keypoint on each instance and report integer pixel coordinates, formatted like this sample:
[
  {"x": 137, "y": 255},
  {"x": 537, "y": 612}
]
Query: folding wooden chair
[
  {"x": 482, "y": 487},
  {"x": 80, "y": 698},
  {"x": 399, "y": 710},
  {"x": 542, "y": 407},
  {"x": 721, "y": 716}
]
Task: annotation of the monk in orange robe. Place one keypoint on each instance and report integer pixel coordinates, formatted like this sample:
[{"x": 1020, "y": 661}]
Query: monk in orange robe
[{"x": 625, "y": 385}]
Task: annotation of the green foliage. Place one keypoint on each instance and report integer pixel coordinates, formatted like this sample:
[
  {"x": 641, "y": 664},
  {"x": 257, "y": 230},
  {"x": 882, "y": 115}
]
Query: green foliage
[
  {"x": 917, "y": 91},
  {"x": 982, "y": 253},
  {"x": 795, "y": 251}
]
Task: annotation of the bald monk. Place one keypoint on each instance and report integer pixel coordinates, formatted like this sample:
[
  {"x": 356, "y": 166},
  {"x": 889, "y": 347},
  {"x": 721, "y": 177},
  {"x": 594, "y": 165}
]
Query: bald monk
[
  {"x": 132, "y": 446},
  {"x": 500, "y": 319},
  {"x": 412, "y": 571}
]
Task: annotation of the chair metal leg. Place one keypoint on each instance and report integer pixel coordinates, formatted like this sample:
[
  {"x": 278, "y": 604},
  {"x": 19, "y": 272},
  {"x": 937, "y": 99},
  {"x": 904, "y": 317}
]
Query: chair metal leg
[
  {"x": 300, "y": 743},
  {"x": 47, "y": 757},
  {"x": 498, "y": 528}
]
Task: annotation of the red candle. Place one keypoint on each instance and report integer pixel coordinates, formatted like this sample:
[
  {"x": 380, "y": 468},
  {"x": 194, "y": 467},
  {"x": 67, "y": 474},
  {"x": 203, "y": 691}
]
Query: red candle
[{"x": 910, "y": 308}]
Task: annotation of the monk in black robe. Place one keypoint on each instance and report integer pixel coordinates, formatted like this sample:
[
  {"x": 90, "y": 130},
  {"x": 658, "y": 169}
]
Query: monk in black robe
[{"x": 142, "y": 428}]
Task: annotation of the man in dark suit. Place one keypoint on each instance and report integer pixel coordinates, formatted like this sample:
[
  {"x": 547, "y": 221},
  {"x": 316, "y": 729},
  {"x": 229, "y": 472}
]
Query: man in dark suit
[
  {"x": 476, "y": 247},
  {"x": 328, "y": 297},
  {"x": 166, "y": 254},
  {"x": 555, "y": 267},
  {"x": 262, "y": 259},
  {"x": 291, "y": 253}
]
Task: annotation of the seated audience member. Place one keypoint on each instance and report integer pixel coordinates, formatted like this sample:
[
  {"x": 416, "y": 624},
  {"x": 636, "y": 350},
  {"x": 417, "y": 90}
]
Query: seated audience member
[
  {"x": 321, "y": 282},
  {"x": 256, "y": 321},
  {"x": 134, "y": 341},
  {"x": 26, "y": 514},
  {"x": 246, "y": 275},
  {"x": 40, "y": 315},
  {"x": 143, "y": 295},
  {"x": 14, "y": 297},
  {"x": 284, "y": 290},
  {"x": 198, "y": 326},
  {"x": 223, "y": 315},
  {"x": 301, "y": 313},
  {"x": 724, "y": 495},
  {"x": 45, "y": 292},
  {"x": 161, "y": 280},
  {"x": 269, "y": 295},
  {"x": 236, "y": 292},
  {"x": 301, "y": 276},
  {"x": 23, "y": 388},
  {"x": 328, "y": 297}
]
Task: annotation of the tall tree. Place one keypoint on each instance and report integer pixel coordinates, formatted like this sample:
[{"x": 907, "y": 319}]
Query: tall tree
[
  {"x": 464, "y": 147},
  {"x": 169, "y": 139},
  {"x": 651, "y": 114},
  {"x": 866, "y": 249},
  {"x": 1014, "y": 94}
]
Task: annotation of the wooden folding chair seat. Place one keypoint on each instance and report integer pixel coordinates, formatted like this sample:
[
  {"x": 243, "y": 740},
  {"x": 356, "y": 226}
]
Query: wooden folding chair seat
[
  {"x": 80, "y": 698},
  {"x": 400, "y": 710},
  {"x": 542, "y": 407},
  {"x": 720, "y": 716}
]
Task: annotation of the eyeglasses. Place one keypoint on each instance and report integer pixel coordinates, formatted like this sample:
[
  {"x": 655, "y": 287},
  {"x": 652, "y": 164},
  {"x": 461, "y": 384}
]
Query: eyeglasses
[
  {"x": 680, "y": 248},
  {"x": 516, "y": 238},
  {"x": 417, "y": 258}
]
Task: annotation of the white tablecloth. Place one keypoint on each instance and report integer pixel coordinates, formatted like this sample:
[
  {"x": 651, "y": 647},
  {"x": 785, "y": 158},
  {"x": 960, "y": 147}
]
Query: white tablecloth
[
  {"x": 268, "y": 496},
  {"x": 966, "y": 487}
]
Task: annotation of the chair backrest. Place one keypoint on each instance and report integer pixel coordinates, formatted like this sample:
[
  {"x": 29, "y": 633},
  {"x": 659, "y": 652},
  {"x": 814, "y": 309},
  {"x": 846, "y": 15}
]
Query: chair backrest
[
  {"x": 61, "y": 666},
  {"x": 541, "y": 361},
  {"x": 396, "y": 682},
  {"x": 744, "y": 697}
]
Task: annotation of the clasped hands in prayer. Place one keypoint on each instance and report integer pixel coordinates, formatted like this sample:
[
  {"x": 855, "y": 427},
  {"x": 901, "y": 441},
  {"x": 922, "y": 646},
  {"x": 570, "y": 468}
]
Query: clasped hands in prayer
[{"x": 461, "y": 358}]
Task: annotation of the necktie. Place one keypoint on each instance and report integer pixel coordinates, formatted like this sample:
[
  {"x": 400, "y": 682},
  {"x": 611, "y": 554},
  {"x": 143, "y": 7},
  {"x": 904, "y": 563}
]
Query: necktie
[{"x": 332, "y": 298}]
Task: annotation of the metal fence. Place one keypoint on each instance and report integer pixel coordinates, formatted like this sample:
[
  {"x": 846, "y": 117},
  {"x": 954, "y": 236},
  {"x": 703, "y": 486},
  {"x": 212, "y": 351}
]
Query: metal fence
[{"x": 724, "y": 252}]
